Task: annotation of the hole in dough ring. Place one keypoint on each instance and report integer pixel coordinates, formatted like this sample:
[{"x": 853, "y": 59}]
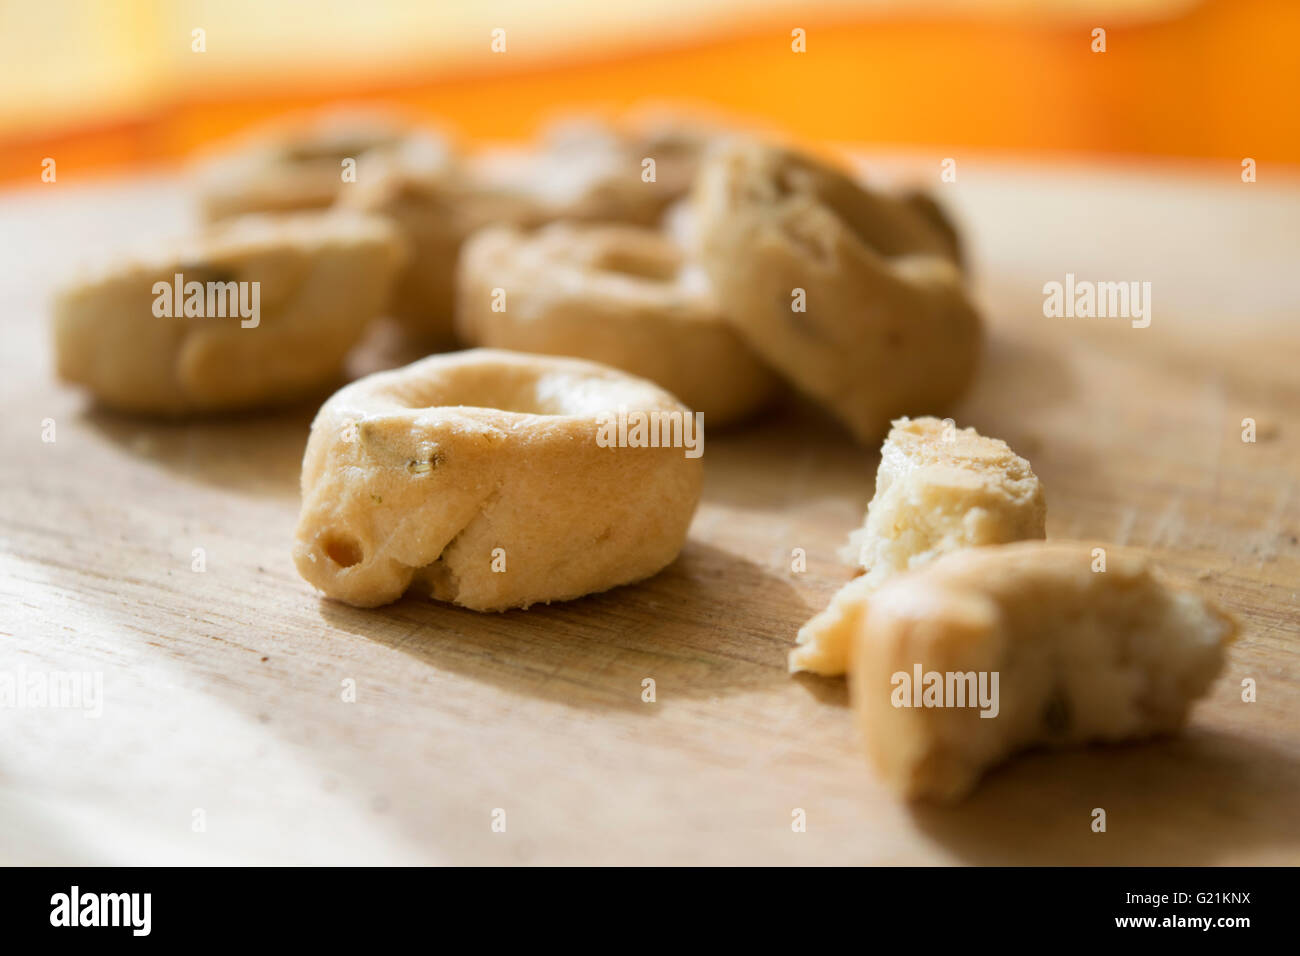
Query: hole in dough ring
[
  {"x": 887, "y": 329},
  {"x": 485, "y": 478},
  {"x": 618, "y": 294}
]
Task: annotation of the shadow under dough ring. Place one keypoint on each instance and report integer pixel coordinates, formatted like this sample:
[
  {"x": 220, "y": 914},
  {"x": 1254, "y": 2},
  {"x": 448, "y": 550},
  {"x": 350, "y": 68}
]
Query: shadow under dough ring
[
  {"x": 853, "y": 296},
  {"x": 489, "y": 479},
  {"x": 619, "y": 294}
]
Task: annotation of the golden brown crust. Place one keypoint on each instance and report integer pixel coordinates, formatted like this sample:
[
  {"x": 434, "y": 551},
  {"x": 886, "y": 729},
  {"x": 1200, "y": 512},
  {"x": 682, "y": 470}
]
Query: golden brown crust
[{"x": 480, "y": 478}]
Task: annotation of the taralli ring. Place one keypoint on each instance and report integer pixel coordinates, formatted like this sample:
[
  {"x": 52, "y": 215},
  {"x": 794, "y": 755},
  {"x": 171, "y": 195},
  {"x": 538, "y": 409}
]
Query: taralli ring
[
  {"x": 259, "y": 310},
  {"x": 622, "y": 295},
  {"x": 415, "y": 186},
  {"x": 853, "y": 296},
  {"x": 584, "y": 172},
  {"x": 495, "y": 480},
  {"x": 299, "y": 165}
]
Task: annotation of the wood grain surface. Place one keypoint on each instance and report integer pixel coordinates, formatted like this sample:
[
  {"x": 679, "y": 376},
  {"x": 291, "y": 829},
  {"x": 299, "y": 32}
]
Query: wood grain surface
[{"x": 222, "y": 690}]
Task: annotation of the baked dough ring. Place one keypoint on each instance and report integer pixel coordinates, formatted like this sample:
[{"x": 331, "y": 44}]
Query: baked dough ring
[
  {"x": 585, "y": 171},
  {"x": 417, "y": 187},
  {"x": 939, "y": 488},
  {"x": 582, "y": 172},
  {"x": 297, "y": 165},
  {"x": 887, "y": 330},
  {"x": 479, "y": 477},
  {"x": 622, "y": 295},
  {"x": 1081, "y": 655},
  {"x": 319, "y": 277}
]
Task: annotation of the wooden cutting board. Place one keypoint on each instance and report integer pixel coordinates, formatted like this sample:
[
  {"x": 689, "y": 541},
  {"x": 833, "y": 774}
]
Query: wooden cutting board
[{"x": 222, "y": 689}]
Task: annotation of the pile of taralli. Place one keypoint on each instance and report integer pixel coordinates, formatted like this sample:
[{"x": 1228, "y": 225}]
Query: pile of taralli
[{"x": 609, "y": 313}]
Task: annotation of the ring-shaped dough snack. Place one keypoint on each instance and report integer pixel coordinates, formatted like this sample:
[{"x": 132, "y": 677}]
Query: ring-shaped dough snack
[
  {"x": 582, "y": 172},
  {"x": 417, "y": 187},
  {"x": 487, "y": 479},
  {"x": 623, "y": 295},
  {"x": 298, "y": 164},
  {"x": 854, "y": 296},
  {"x": 164, "y": 332}
]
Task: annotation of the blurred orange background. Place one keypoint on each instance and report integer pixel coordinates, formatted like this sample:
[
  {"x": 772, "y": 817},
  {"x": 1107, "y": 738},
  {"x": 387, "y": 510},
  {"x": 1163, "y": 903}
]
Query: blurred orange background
[{"x": 106, "y": 86}]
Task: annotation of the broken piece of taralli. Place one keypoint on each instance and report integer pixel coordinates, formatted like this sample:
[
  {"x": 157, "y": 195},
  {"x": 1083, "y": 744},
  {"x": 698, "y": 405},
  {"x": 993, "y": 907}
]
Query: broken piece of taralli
[
  {"x": 939, "y": 488},
  {"x": 989, "y": 651}
]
